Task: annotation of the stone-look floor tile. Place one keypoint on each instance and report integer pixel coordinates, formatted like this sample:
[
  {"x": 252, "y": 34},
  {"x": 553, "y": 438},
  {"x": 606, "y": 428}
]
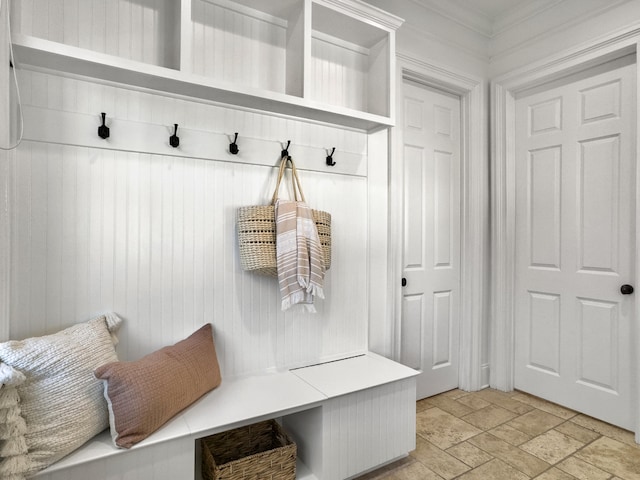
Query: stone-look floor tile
[
  {"x": 613, "y": 456},
  {"x": 474, "y": 402},
  {"x": 535, "y": 422},
  {"x": 545, "y": 405},
  {"x": 443, "y": 429},
  {"x": 455, "y": 393},
  {"x": 519, "y": 459},
  {"x": 450, "y": 405},
  {"x": 582, "y": 470},
  {"x": 383, "y": 472},
  {"x": 423, "y": 405},
  {"x": 504, "y": 400},
  {"x": 437, "y": 460},
  {"x": 552, "y": 446},
  {"x": 494, "y": 470},
  {"x": 603, "y": 428},
  {"x": 413, "y": 471},
  {"x": 489, "y": 417},
  {"x": 555, "y": 474},
  {"x": 510, "y": 434},
  {"x": 576, "y": 431},
  {"x": 472, "y": 456}
]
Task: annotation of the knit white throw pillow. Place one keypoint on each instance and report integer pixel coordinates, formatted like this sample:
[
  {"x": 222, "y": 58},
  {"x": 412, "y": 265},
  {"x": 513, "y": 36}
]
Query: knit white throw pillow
[
  {"x": 14, "y": 462},
  {"x": 61, "y": 401}
]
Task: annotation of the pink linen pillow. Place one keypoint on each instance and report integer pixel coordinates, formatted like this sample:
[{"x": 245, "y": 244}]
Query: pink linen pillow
[{"x": 145, "y": 394}]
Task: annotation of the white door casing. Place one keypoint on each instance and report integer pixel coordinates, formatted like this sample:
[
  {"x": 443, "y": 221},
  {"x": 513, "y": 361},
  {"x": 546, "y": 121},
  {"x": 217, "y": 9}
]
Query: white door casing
[
  {"x": 473, "y": 368},
  {"x": 575, "y": 229},
  {"x": 503, "y": 92},
  {"x": 431, "y": 265}
]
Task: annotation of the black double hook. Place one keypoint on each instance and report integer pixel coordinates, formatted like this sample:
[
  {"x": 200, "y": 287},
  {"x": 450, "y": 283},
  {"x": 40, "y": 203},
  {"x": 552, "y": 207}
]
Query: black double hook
[
  {"x": 103, "y": 130},
  {"x": 285, "y": 151},
  {"x": 174, "y": 140},
  {"x": 330, "y": 161},
  {"x": 233, "y": 147}
]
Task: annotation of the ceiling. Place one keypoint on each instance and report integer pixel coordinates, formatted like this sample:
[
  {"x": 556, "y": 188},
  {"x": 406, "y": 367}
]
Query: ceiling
[
  {"x": 492, "y": 8},
  {"x": 488, "y": 17}
]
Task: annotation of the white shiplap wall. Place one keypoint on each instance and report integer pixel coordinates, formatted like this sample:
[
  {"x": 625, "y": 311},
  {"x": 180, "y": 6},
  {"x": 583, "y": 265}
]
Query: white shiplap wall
[
  {"x": 345, "y": 66},
  {"x": 248, "y": 48},
  {"x": 5, "y": 139},
  {"x": 142, "y": 30},
  {"x": 152, "y": 237}
]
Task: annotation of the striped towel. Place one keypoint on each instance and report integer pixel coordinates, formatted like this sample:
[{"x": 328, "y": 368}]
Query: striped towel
[{"x": 299, "y": 255}]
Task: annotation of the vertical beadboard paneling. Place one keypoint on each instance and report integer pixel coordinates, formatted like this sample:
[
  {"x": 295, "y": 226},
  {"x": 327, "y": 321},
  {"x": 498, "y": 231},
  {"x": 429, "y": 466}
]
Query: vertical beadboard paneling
[
  {"x": 141, "y": 30},
  {"x": 152, "y": 237},
  {"x": 6, "y": 168},
  {"x": 238, "y": 47},
  {"x": 20, "y": 232},
  {"x": 338, "y": 74},
  {"x": 6, "y": 207},
  {"x": 368, "y": 428}
]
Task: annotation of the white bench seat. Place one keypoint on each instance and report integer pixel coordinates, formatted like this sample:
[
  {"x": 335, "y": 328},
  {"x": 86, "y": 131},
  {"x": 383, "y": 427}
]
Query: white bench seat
[{"x": 242, "y": 401}]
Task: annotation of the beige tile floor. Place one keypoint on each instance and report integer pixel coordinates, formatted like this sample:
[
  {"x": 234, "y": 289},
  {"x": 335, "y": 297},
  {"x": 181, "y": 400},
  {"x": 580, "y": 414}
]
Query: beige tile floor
[{"x": 492, "y": 435}]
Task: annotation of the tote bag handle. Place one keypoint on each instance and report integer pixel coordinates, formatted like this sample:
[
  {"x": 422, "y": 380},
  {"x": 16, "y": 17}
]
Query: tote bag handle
[{"x": 295, "y": 181}]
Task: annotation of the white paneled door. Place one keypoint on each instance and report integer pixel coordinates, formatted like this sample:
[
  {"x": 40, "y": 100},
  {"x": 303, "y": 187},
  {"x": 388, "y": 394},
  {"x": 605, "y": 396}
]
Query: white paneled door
[
  {"x": 575, "y": 237},
  {"x": 431, "y": 253}
]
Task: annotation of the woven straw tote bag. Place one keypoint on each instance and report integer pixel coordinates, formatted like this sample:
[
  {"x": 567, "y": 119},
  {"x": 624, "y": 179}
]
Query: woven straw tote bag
[{"x": 256, "y": 227}]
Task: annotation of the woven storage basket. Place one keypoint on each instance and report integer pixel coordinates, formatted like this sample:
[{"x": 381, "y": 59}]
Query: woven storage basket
[
  {"x": 255, "y": 452},
  {"x": 256, "y": 228}
]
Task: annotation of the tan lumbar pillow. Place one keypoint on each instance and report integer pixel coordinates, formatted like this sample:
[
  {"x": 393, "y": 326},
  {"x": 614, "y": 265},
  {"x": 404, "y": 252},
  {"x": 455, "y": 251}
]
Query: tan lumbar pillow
[
  {"x": 145, "y": 394},
  {"x": 61, "y": 403}
]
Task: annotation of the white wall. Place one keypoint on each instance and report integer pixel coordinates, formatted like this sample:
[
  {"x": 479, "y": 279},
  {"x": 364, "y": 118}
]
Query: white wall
[
  {"x": 5, "y": 138},
  {"x": 438, "y": 39},
  {"x": 429, "y": 35},
  {"x": 152, "y": 236}
]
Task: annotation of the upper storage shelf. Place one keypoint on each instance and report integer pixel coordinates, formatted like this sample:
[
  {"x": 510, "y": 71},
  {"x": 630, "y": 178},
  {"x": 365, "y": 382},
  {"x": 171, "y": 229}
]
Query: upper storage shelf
[{"x": 328, "y": 60}]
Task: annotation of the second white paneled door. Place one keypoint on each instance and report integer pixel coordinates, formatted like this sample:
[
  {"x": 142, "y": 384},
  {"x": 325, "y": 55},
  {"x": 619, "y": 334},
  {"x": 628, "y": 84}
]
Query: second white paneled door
[
  {"x": 575, "y": 237},
  {"x": 431, "y": 253}
]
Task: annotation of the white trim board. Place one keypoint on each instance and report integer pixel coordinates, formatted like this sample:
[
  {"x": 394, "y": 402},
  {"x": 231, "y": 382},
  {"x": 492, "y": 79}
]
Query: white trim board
[
  {"x": 6, "y": 159},
  {"x": 475, "y": 186},
  {"x": 504, "y": 90}
]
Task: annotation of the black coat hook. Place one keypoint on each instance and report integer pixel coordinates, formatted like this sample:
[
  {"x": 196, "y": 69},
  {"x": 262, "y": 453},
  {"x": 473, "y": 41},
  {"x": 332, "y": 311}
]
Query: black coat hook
[
  {"x": 174, "y": 140},
  {"x": 285, "y": 152},
  {"x": 330, "y": 161},
  {"x": 103, "y": 130},
  {"x": 233, "y": 148}
]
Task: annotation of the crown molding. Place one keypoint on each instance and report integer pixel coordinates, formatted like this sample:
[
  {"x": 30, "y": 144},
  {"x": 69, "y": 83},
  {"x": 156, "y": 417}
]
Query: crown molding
[{"x": 361, "y": 9}]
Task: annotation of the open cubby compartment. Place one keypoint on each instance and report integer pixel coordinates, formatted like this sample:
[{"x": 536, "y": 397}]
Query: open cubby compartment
[
  {"x": 350, "y": 61},
  {"x": 249, "y": 43},
  {"x": 305, "y": 430},
  {"x": 146, "y": 31}
]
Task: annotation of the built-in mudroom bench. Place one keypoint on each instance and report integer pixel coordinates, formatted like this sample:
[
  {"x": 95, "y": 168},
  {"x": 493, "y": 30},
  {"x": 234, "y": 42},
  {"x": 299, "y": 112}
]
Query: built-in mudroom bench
[
  {"x": 346, "y": 417},
  {"x": 137, "y": 224}
]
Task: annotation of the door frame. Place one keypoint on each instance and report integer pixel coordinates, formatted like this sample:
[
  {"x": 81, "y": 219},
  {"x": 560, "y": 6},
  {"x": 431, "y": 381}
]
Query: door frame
[
  {"x": 472, "y": 375},
  {"x": 503, "y": 209}
]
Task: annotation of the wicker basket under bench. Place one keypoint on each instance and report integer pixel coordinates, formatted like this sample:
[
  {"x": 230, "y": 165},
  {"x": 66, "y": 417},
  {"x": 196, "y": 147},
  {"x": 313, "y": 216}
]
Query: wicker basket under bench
[{"x": 259, "y": 451}]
